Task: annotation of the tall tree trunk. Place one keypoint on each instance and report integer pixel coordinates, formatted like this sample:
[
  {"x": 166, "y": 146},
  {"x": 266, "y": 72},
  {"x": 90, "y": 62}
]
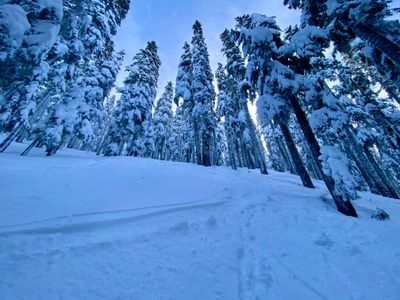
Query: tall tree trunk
[
  {"x": 245, "y": 160},
  {"x": 231, "y": 147},
  {"x": 72, "y": 142},
  {"x": 197, "y": 143},
  {"x": 296, "y": 159},
  {"x": 206, "y": 150},
  {"x": 343, "y": 204},
  {"x": 11, "y": 137},
  {"x": 317, "y": 172},
  {"x": 286, "y": 157},
  {"x": 30, "y": 147},
  {"x": 238, "y": 153}
]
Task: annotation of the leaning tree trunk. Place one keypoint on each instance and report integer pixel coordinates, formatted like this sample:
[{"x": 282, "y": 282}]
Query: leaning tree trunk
[
  {"x": 343, "y": 204},
  {"x": 207, "y": 150},
  {"x": 30, "y": 147},
  {"x": 296, "y": 159}
]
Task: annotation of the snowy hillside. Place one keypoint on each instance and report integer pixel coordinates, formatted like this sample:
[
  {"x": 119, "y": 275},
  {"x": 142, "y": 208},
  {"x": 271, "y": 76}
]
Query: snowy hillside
[{"x": 78, "y": 226}]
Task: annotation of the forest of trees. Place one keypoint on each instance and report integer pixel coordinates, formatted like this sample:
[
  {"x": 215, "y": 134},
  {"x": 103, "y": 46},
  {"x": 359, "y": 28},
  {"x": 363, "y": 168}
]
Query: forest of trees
[{"x": 326, "y": 91}]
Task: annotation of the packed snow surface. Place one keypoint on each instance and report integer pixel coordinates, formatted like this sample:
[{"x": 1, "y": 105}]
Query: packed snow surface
[{"x": 78, "y": 226}]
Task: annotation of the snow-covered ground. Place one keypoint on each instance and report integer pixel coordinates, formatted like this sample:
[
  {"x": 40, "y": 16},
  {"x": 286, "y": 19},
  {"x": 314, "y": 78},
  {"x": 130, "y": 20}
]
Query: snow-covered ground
[{"x": 78, "y": 226}]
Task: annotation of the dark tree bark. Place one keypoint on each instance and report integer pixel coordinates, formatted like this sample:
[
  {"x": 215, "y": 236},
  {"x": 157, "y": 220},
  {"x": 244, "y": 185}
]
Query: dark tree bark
[
  {"x": 197, "y": 143},
  {"x": 30, "y": 147},
  {"x": 206, "y": 157},
  {"x": 296, "y": 159},
  {"x": 11, "y": 137},
  {"x": 343, "y": 205}
]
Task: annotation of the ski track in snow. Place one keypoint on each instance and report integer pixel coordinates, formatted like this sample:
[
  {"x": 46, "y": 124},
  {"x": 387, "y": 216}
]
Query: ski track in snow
[
  {"x": 85, "y": 226},
  {"x": 101, "y": 223},
  {"x": 250, "y": 237}
]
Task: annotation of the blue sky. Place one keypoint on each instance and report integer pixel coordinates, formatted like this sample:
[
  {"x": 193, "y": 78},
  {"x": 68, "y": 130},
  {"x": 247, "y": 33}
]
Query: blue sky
[{"x": 169, "y": 23}]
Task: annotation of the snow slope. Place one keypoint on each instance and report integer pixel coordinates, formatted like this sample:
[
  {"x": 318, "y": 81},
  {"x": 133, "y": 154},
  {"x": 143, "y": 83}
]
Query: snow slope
[{"x": 78, "y": 226}]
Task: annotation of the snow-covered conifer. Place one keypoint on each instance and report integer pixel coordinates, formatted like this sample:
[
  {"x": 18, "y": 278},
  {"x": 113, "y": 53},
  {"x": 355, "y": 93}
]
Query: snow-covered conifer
[
  {"x": 335, "y": 164},
  {"x": 184, "y": 142},
  {"x": 251, "y": 153},
  {"x": 83, "y": 65},
  {"x": 204, "y": 99},
  {"x": 162, "y": 123},
  {"x": 278, "y": 75},
  {"x": 260, "y": 37},
  {"x": 132, "y": 116}
]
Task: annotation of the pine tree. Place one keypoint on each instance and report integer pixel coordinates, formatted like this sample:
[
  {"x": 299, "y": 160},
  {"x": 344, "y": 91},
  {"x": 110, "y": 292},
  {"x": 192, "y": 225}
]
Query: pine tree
[
  {"x": 204, "y": 99},
  {"x": 92, "y": 25},
  {"x": 336, "y": 165},
  {"x": 228, "y": 109},
  {"x": 83, "y": 68},
  {"x": 162, "y": 123},
  {"x": 250, "y": 147},
  {"x": 178, "y": 141},
  {"x": 184, "y": 114},
  {"x": 269, "y": 68},
  {"x": 221, "y": 147},
  {"x": 102, "y": 80},
  {"x": 369, "y": 128},
  {"x": 129, "y": 129},
  {"x": 274, "y": 81}
]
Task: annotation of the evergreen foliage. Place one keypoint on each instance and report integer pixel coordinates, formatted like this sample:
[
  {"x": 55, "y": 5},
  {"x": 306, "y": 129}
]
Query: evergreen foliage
[
  {"x": 130, "y": 131},
  {"x": 162, "y": 123},
  {"x": 203, "y": 94}
]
